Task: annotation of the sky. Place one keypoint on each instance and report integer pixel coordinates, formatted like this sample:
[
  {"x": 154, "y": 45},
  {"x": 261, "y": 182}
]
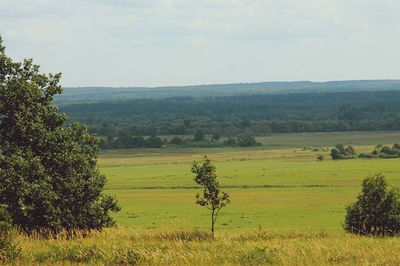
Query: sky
[{"x": 183, "y": 42}]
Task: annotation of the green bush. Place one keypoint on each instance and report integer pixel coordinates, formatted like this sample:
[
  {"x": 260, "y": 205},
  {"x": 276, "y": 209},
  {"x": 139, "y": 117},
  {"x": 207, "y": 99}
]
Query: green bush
[
  {"x": 367, "y": 155},
  {"x": 376, "y": 211},
  {"x": 8, "y": 249},
  {"x": 341, "y": 152},
  {"x": 246, "y": 140}
]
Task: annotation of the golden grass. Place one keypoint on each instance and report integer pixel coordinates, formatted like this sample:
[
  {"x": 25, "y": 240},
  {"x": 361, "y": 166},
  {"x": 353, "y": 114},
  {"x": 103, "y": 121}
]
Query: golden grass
[{"x": 126, "y": 246}]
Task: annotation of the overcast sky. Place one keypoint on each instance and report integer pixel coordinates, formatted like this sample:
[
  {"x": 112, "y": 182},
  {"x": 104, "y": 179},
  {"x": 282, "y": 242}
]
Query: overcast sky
[{"x": 178, "y": 42}]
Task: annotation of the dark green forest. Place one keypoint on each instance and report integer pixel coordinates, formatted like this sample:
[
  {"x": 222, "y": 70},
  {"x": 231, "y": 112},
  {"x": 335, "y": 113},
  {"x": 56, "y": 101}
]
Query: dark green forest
[{"x": 231, "y": 116}]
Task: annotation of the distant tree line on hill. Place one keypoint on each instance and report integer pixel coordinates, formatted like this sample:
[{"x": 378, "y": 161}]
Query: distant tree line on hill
[{"x": 236, "y": 115}]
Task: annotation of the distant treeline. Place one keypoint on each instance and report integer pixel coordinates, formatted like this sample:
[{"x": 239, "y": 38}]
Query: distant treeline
[{"x": 234, "y": 115}]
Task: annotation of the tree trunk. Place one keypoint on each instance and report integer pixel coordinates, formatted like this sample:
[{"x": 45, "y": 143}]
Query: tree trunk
[{"x": 212, "y": 223}]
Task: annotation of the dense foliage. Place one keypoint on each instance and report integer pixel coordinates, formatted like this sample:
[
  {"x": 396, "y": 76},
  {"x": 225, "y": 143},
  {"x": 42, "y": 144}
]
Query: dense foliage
[
  {"x": 49, "y": 179},
  {"x": 235, "y": 115},
  {"x": 341, "y": 151},
  {"x": 385, "y": 152},
  {"x": 377, "y": 210}
]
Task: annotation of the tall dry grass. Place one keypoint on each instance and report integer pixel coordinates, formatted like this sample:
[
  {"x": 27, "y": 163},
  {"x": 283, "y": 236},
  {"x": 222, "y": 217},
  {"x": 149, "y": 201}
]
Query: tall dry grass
[{"x": 124, "y": 246}]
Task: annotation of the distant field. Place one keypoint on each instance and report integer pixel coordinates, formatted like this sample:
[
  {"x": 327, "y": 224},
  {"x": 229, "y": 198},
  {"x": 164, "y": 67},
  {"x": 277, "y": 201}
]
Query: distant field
[{"x": 270, "y": 187}]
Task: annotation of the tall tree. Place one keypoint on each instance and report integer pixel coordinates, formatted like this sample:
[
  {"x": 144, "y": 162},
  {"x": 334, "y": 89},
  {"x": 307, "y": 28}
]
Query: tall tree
[
  {"x": 48, "y": 173},
  {"x": 212, "y": 197}
]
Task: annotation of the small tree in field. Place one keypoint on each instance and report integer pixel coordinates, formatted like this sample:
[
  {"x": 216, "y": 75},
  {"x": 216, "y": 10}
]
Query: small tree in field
[
  {"x": 212, "y": 197},
  {"x": 377, "y": 210}
]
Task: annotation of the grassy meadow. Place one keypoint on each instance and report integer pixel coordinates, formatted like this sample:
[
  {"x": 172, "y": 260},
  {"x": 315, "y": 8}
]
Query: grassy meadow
[
  {"x": 287, "y": 208},
  {"x": 270, "y": 187}
]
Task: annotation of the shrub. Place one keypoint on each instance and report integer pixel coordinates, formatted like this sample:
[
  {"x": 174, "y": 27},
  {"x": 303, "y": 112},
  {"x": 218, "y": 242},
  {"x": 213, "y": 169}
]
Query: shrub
[
  {"x": 320, "y": 157},
  {"x": 367, "y": 155},
  {"x": 342, "y": 152},
  {"x": 246, "y": 140},
  {"x": 8, "y": 249},
  {"x": 376, "y": 211},
  {"x": 396, "y": 146},
  {"x": 388, "y": 150}
]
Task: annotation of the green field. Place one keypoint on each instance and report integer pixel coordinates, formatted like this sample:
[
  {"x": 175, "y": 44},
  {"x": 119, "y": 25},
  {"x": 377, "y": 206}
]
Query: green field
[
  {"x": 278, "y": 188},
  {"x": 287, "y": 208}
]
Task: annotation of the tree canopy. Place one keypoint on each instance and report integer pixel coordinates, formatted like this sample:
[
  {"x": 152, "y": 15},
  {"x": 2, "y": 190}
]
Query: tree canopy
[
  {"x": 49, "y": 178},
  {"x": 377, "y": 209}
]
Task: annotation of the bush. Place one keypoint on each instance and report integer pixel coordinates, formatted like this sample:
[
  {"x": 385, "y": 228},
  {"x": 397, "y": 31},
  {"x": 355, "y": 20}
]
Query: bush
[
  {"x": 367, "y": 155},
  {"x": 246, "y": 140},
  {"x": 376, "y": 211},
  {"x": 396, "y": 146},
  {"x": 8, "y": 249},
  {"x": 343, "y": 152},
  {"x": 388, "y": 150},
  {"x": 320, "y": 157}
]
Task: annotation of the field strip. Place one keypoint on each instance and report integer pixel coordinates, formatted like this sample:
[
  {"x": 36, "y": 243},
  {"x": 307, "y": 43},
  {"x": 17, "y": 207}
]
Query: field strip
[{"x": 237, "y": 186}]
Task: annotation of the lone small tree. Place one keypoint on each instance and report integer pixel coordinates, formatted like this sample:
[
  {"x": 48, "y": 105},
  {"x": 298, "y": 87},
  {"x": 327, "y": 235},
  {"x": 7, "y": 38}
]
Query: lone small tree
[
  {"x": 49, "y": 179},
  {"x": 212, "y": 197},
  {"x": 377, "y": 210}
]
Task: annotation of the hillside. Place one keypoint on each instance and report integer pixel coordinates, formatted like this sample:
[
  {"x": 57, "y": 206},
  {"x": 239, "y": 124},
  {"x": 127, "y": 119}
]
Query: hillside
[{"x": 94, "y": 94}]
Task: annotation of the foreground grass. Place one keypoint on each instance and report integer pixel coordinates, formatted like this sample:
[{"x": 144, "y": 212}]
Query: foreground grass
[{"x": 155, "y": 247}]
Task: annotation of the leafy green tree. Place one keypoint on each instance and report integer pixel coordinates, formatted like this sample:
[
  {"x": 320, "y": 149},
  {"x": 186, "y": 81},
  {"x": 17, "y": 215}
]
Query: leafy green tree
[
  {"x": 48, "y": 173},
  {"x": 199, "y": 135},
  {"x": 246, "y": 140},
  {"x": 377, "y": 209},
  {"x": 213, "y": 198}
]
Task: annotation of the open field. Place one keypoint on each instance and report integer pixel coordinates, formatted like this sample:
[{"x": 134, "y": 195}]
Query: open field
[
  {"x": 283, "y": 188},
  {"x": 287, "y": 208}
]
